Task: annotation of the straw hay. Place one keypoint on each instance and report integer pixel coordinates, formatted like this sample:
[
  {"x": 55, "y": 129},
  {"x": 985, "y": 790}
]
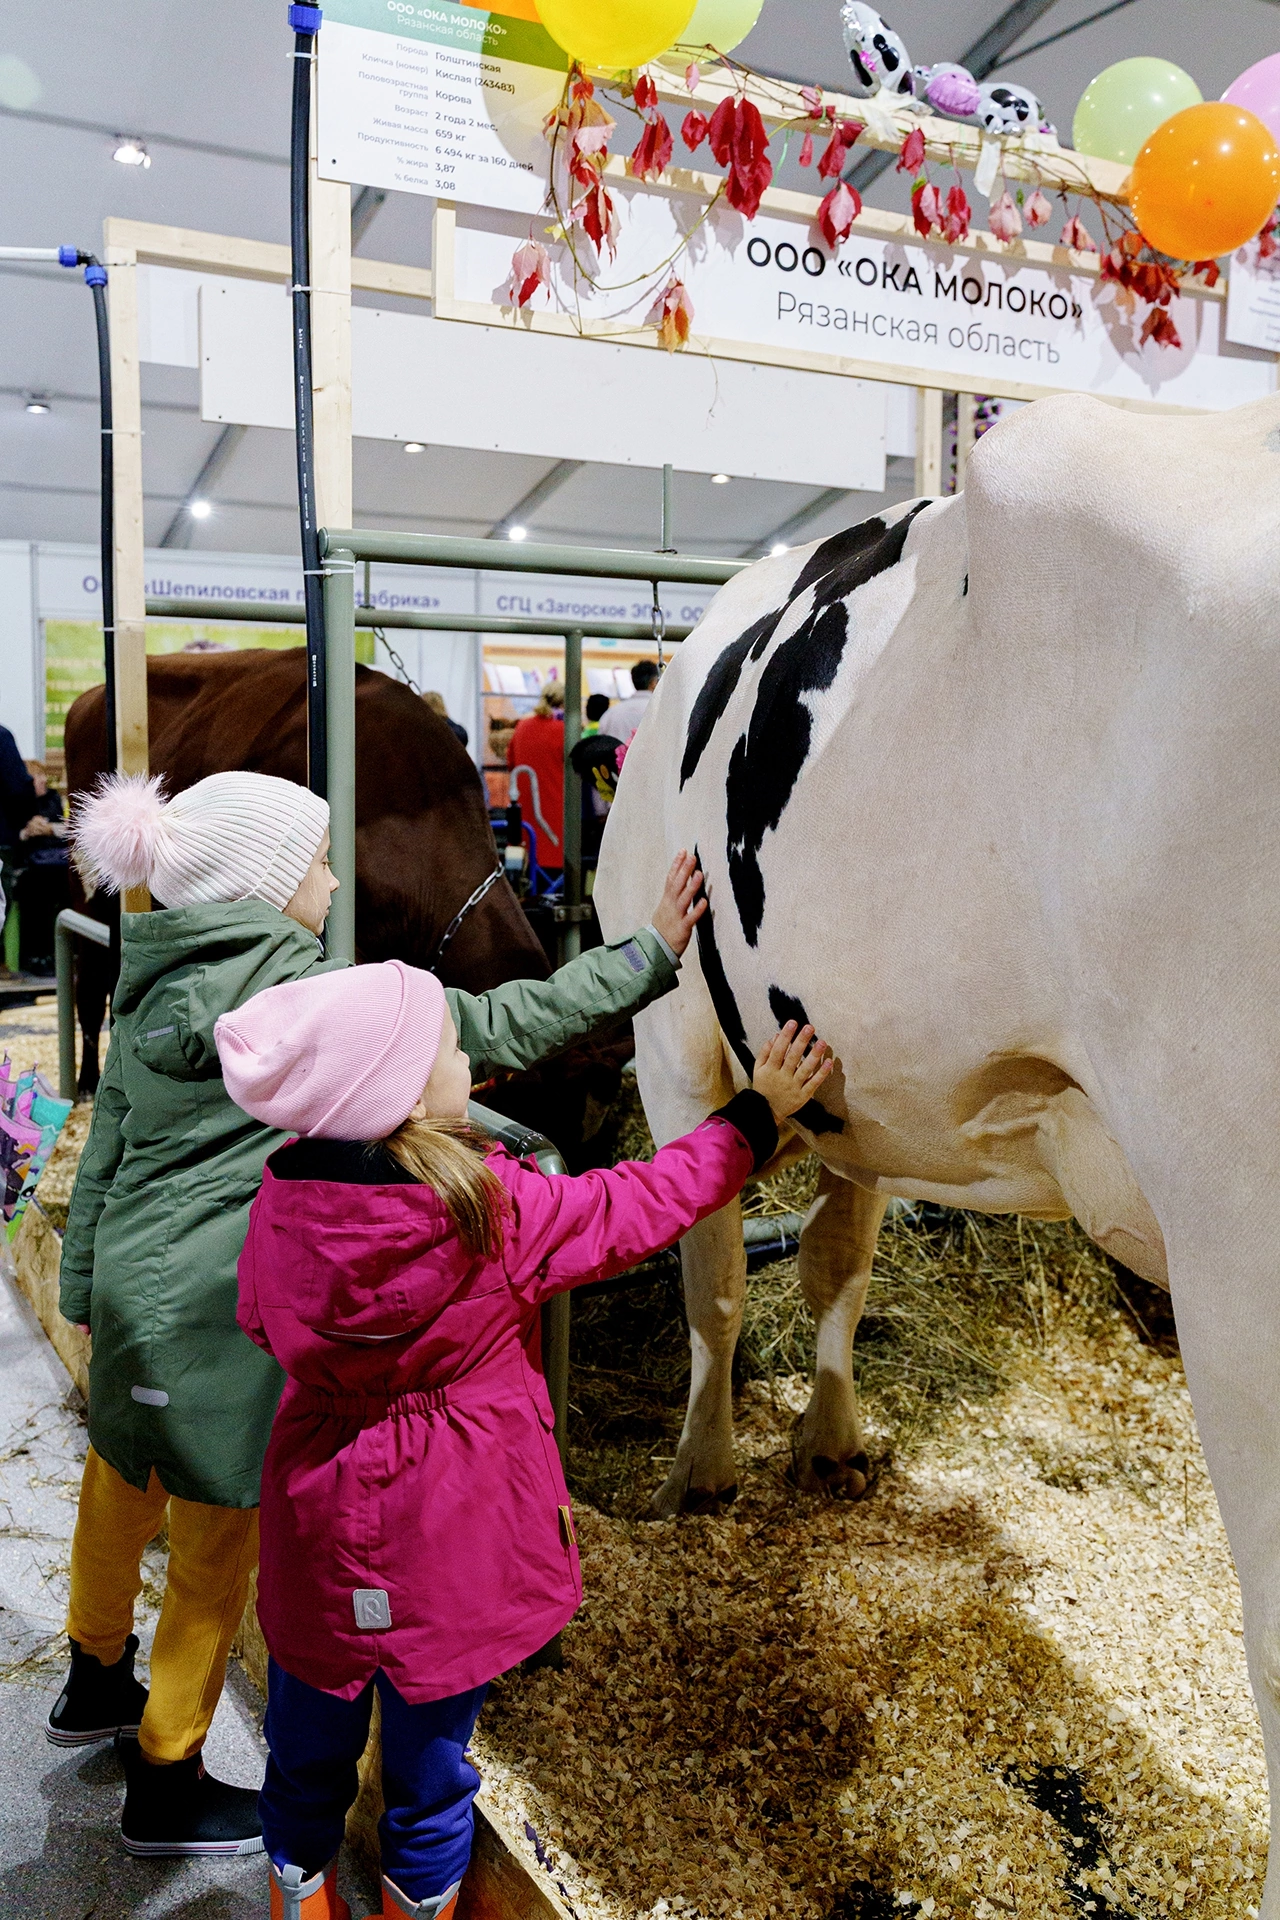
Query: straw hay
[{"x": 1010, "y": 1682}]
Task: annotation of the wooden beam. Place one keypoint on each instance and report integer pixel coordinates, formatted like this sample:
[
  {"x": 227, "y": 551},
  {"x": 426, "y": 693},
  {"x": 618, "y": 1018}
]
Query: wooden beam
[
  {"x": 928, "y": 442},
  {"x": 966, "y": 435},
  {"x": 160, "y": 246},
  {"x": 132, "y": 751},
  {"x": 1033, "y": 157}
]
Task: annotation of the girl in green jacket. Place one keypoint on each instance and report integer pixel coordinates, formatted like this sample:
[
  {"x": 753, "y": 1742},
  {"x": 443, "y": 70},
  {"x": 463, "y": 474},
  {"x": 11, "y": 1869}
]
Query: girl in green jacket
[{"x": 180, "y": 1402}]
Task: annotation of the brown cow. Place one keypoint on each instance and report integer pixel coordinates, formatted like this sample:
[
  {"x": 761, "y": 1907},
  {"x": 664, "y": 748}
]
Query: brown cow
[{"x": 423, "y": 841}]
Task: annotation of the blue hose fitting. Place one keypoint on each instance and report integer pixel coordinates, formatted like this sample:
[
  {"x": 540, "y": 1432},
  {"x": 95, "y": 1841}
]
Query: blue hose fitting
[
  {"x": 305, "y": 19},
  {"x": 95, "y": 276},
  {"x": 68, "y": 256}
]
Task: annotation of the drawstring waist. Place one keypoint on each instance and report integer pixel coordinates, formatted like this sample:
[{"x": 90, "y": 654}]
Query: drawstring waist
[{"x": 366, "y": 1406}]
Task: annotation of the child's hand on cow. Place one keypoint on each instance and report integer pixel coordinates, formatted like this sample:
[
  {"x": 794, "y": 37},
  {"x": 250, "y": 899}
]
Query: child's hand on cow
[
  {"x": 683, "y": 903},
  {"x": 790, "y": 1068}
]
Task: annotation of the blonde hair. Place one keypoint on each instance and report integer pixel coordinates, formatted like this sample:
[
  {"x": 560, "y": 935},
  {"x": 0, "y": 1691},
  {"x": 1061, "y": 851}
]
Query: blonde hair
[
  {"x": 551, "y": 701},
  {"x": 449, "y": 1157}
]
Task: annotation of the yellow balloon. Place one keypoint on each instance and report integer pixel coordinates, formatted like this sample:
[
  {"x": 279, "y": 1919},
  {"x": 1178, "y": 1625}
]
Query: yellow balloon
[
  {"x": 721, "y": 23},
  {"x": 615, "y": 34}
]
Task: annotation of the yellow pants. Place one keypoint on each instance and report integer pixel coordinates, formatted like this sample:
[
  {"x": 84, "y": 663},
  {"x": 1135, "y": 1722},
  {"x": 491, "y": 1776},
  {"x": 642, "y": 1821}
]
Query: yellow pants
[{"x": 212, "y": 1552}]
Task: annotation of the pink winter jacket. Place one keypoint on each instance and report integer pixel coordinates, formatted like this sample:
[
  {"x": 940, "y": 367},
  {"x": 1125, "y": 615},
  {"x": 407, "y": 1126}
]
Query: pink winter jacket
[{"x": 414, "y": 1514}]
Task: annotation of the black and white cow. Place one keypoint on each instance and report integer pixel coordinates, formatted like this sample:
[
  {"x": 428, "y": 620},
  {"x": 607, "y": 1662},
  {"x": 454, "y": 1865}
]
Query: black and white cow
[{"x": 988, "y": 789}]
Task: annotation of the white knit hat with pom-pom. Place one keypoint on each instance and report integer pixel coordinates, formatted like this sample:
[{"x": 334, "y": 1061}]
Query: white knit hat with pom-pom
[{"x": 234, "y": 836}]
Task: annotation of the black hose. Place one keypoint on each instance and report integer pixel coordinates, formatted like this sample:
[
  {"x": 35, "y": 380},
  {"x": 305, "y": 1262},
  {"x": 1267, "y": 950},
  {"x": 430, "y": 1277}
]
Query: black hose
[
  {"x": 96, "y": 281},
  {"x": 306, "y": 21}
]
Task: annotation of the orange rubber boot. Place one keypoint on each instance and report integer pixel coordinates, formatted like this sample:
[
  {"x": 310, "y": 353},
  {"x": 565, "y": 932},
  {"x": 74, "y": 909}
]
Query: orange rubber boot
[
  {"x": 398, "y": 1906},
  {"x": 294, "y": 1897}
]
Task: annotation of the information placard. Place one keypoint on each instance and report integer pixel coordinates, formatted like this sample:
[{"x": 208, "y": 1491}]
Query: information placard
[
  {"x": 1253, "y": 299},
  {"x": 438, "y": 99}
]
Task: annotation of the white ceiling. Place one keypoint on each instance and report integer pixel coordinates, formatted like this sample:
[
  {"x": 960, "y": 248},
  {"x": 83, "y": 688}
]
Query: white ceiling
[{"x": 219, "y": 78}]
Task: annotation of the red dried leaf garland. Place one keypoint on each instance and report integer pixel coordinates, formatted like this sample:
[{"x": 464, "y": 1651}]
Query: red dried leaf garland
[
  {"x": 1269, "y": 238},
  {"x": 530, "y": 269},
  {"x": 1037, "y": 212},
  {"x": 694, "y": 129},
  {"x": 911, "y": 157},
  {"x": 672, "y": 313},
  {"x": 831, "y": 165},
  {"x": 589, "y": 129},
  {"x": 1078, "y": 237},
  {"x": 838, "y": 212},
  {"x": 652, "y": 151},
  {"x": 1158, "y": 326},
  {"x": 926, "y": 207},
  {"x": 1003, "y": 219},
  {"x": 740, "y": 143},
  {"x": 1207, "y": 270},
  {"x": 955, "y": 225},
  {"x": 654, "y": 147}
]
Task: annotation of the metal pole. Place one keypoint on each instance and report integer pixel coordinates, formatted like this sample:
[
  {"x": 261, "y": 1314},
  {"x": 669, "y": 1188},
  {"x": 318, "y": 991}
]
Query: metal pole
[
  {"x": 529, "y": 556},
  {"x": 570, "y": 929},
  {"x": 340, "y": 714},
  {"x": 65, "y": 967}
]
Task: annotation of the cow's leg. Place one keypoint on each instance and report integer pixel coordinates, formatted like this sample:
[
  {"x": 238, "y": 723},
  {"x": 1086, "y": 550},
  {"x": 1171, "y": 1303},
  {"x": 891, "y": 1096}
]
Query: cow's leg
[
  {"x": 837, "y": 1246},
  {"x": 714, "y": 1262}
]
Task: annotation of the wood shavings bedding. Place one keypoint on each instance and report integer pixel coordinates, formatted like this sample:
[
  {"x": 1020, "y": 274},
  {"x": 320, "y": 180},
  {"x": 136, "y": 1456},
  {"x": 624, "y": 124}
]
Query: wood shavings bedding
[{"x": 1011, "y": 1682}]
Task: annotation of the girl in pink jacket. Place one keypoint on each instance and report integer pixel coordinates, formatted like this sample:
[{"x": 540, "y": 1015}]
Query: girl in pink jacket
[{"x": 417, "y": 1535}]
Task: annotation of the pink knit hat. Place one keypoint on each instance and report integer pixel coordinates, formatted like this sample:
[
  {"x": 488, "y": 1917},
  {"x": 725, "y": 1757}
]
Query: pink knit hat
[{"x": 342, "y": 1056}]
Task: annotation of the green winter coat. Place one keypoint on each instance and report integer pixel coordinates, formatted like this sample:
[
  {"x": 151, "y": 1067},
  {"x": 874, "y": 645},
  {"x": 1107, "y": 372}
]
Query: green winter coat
[{"x": 161, "y": 1200}]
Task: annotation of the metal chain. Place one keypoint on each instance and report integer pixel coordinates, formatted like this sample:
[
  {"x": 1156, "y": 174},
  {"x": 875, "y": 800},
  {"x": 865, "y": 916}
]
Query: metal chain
[
  {"x": 658, "y": 623},
  {"x": 398, "y": 663}
]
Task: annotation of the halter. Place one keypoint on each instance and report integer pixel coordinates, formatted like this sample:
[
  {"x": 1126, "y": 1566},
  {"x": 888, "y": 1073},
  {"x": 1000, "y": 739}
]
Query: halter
[{"x": 472, "y": 901}]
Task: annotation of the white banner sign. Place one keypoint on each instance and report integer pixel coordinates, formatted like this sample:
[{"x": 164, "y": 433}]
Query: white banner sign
[
  {"x": 773, "y": 284},
  {"x": 438, "y": 99},
  {"x": 499, "y": 387}
]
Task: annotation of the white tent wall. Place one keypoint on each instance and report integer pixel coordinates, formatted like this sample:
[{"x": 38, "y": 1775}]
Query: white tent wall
[{"x": 21, "y": 653}]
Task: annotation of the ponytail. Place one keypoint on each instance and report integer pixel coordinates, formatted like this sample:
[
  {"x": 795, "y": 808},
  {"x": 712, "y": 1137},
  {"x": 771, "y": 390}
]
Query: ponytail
[{"x": 448, "y": 1157}]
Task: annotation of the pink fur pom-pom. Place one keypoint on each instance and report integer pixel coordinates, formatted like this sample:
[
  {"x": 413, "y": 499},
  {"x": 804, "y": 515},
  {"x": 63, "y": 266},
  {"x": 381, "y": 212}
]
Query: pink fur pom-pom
[{"x": 115, "y": 830}]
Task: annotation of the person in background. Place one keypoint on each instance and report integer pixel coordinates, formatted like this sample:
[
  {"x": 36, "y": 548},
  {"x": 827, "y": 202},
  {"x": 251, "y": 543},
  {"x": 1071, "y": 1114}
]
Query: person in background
[
  {"x": 597, "y": 707},
  {"x": 536, "y": 759},
  {"x": 19, "y": 801},
  {"x": 436, "y": 703},
  {"x": 628, "y": 714},
  {"x": 42, "y": 889}
]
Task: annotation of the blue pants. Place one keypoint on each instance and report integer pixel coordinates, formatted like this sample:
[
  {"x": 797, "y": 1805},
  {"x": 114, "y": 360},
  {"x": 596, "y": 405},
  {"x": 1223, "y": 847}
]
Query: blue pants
[{"x": 428, "y": 1783}]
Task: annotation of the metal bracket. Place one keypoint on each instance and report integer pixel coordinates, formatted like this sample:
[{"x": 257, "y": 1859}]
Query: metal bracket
[{"x": 572, "y": 916}]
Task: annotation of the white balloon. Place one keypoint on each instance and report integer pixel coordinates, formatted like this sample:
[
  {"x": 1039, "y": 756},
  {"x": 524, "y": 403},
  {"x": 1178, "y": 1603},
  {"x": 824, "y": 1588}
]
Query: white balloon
[{"x": 879, "y": 60}]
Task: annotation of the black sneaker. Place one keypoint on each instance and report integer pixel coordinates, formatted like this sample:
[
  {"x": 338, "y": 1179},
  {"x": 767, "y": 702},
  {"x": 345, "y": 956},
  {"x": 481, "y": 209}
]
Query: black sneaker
[
  {"x": 97, "y": 1702},
  {"x": 181, "y": 1809}
]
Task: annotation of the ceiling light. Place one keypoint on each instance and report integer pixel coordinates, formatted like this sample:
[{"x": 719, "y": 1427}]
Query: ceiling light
[
  {"x": 199, "y": 509},
  {"x": 517, "y": 533},
  {"x": 779, "y": 547},
  {"x": 414, "y": 446},
  {"x": 131, "y": 152},
  {"x": 38, "y": 403},
  {"x": 719, "y": 479}
]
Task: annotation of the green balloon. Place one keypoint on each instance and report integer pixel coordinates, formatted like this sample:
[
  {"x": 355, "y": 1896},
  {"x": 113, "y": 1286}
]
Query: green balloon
[
  {"x": 1121, "y": 109},
  {"x": 720, "y": 23}
]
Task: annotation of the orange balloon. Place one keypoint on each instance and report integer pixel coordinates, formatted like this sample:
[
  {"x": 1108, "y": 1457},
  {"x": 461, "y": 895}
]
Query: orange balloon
[{"x": 1205, "y": 181}]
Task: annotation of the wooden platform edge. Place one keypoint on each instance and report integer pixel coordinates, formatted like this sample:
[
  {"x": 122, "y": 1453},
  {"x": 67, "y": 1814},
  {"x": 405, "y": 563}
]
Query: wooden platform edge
[{"x": 500, "y": 1885}]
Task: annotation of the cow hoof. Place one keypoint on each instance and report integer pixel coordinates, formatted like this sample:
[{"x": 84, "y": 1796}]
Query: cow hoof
[
  {"x": 708, "y": 1499},
  {"x": 846, "y": 1479}
]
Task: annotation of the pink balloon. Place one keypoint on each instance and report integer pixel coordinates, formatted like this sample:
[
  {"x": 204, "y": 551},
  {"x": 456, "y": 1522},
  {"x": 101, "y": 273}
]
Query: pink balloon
[{"x": 1258, "y": 89}]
